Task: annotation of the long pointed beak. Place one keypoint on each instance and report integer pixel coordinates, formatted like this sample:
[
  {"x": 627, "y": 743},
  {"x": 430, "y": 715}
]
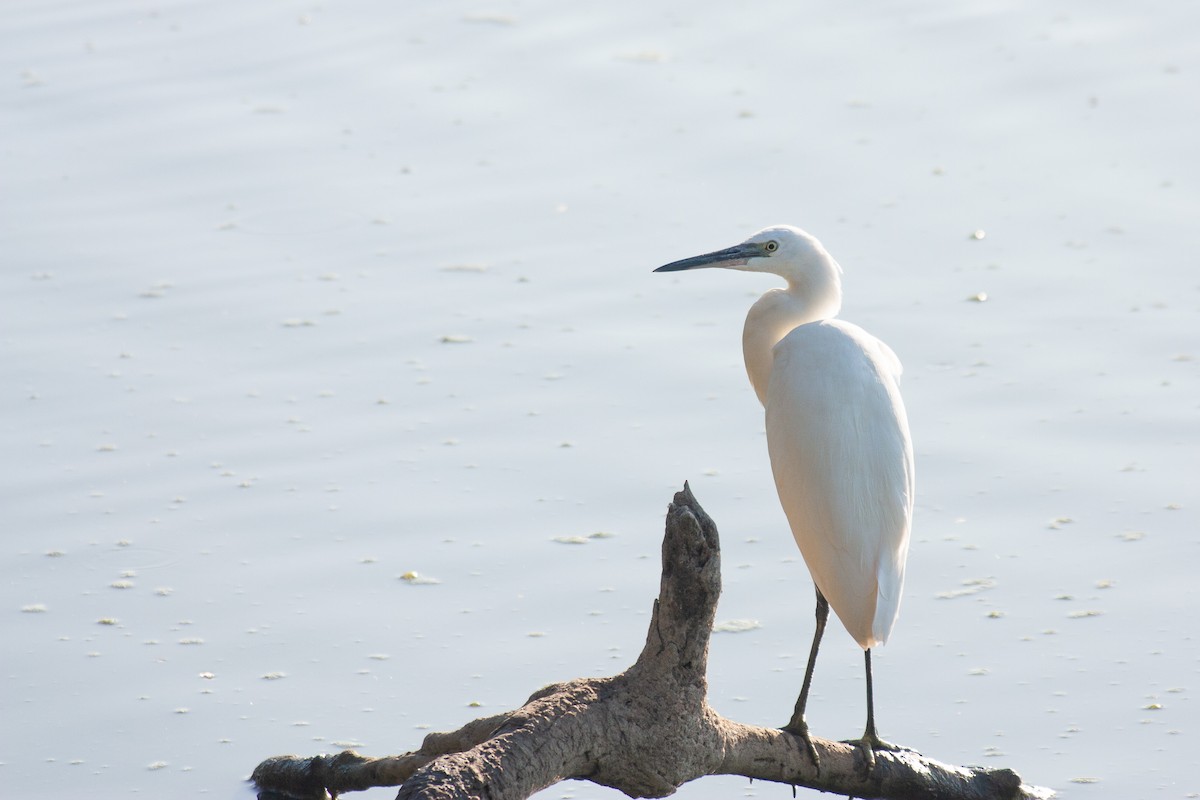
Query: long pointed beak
[{"x": 735, "y": 256}]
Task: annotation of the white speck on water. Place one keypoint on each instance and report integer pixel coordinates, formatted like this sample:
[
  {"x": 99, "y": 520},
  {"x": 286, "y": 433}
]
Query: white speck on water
[
  {"x": 1084, "y": 614},
  {"x": 416, "y": 579},
  {"x": 581, "y": 539},
  {"x": 643, "y": 57},
  {"x": 969, "y": 587}
]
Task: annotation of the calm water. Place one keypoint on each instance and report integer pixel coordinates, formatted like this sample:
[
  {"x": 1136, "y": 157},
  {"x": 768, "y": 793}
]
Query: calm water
[{"x": 299, "y": 299}]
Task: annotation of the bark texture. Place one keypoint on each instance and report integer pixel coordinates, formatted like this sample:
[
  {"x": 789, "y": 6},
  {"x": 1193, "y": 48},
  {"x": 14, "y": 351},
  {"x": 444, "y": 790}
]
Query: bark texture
[{"x": 643, "y": 732}]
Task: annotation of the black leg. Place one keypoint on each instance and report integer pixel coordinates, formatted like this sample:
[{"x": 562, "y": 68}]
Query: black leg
[
  {"x": 797, "y": 725},
  {"x": 870, "y": 741},
  {"x": 869, "y": 733}
]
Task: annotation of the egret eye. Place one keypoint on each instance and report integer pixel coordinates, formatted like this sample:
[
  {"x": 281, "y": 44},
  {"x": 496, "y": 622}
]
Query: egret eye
[{"x": 771, "y": 246}]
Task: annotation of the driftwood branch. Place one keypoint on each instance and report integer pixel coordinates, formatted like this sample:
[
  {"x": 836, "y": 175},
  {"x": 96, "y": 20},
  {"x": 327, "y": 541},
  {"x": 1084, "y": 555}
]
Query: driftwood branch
[{"x": 644, "y": 732}]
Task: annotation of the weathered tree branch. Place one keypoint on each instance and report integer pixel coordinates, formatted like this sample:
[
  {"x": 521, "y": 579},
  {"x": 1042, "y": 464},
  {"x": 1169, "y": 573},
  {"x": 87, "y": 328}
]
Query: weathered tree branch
[{"x": 644, "y": 732}]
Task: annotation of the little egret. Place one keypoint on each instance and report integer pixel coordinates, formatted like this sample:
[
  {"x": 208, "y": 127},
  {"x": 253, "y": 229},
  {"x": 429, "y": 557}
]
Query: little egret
[{"x": 838, "y": 440}]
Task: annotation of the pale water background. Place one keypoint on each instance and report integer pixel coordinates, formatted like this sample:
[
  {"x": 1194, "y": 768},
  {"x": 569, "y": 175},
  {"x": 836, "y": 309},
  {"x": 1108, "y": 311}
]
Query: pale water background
[{"x": 297, "y": 298}]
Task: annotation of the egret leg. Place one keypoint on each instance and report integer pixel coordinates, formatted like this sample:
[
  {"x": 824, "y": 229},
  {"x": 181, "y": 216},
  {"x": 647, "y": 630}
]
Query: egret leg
[
  {"x": 797, "y": 725},
  {"x": 870, "y": 741}
]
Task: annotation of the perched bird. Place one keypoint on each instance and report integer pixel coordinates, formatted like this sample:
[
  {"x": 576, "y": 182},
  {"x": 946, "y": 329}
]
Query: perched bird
[{"x": 838, "y": 440}]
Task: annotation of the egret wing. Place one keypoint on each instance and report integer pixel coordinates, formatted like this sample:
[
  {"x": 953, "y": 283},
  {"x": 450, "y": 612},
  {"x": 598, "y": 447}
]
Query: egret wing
[{"x": 840, "y": 451}]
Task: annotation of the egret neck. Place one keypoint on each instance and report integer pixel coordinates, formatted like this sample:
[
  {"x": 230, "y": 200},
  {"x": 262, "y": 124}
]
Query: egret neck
[{"x": 814, "y": 292}]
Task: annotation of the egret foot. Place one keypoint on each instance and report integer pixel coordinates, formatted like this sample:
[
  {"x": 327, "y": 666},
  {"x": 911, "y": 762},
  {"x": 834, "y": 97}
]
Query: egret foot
[
  {"x": 868, "y": 744},
  {"x": 799, "y": 728}
]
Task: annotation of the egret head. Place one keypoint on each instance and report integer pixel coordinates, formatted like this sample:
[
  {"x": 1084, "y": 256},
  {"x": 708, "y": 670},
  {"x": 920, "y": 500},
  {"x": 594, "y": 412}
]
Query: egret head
[
  {"x": 814, "y": 290},
  {"x": 781, "y": 250}
]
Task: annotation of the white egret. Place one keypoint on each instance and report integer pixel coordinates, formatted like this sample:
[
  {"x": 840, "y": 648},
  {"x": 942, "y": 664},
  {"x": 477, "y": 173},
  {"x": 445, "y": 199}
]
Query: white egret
[{"x": 838, "y": 440}]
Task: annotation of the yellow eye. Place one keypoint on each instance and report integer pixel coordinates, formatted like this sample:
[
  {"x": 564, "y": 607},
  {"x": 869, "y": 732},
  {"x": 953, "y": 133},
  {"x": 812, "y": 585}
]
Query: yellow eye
[{"x": 771, "y": 246}]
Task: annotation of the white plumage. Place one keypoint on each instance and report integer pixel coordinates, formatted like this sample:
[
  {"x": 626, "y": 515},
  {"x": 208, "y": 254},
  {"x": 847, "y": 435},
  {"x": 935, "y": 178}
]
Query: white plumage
[{"x": 840, "y": 451}]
